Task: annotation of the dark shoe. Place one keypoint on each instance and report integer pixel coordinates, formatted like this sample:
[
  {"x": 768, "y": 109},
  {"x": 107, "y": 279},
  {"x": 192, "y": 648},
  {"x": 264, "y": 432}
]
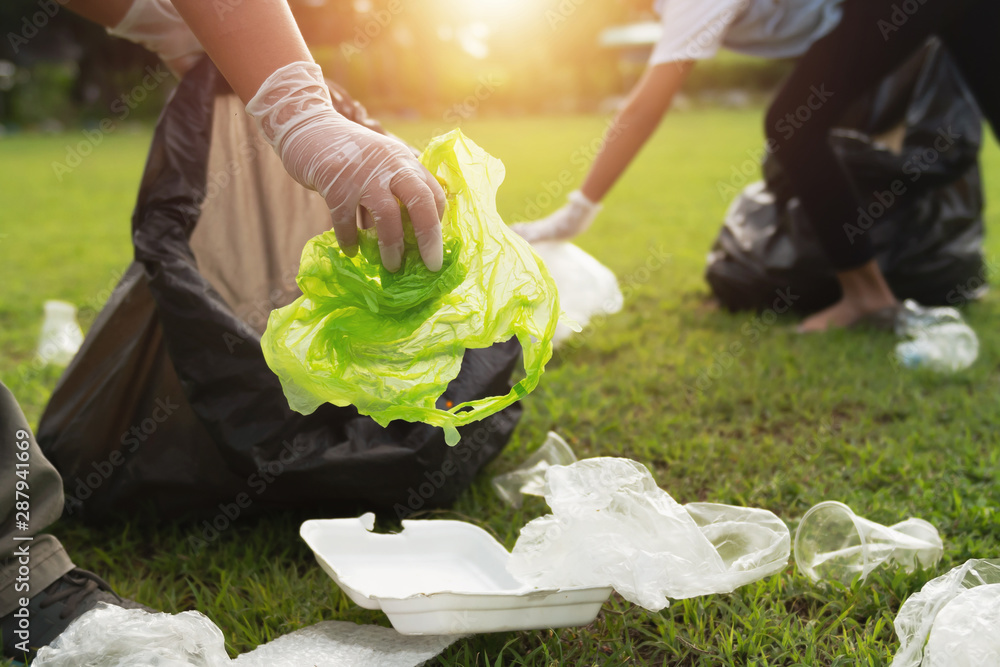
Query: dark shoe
[{"x": 52, "y": 610}]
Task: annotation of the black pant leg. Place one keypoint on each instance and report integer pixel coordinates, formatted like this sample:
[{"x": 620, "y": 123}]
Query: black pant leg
[{"x": 872, "y": 40}]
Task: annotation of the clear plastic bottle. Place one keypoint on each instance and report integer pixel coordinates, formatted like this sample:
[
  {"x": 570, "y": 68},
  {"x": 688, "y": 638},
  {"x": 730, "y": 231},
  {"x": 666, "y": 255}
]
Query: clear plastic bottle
[
  {"x": 945, "y": 348},
  {"x": 61, "y": 334},
  {"x": 914, "y": 317}
]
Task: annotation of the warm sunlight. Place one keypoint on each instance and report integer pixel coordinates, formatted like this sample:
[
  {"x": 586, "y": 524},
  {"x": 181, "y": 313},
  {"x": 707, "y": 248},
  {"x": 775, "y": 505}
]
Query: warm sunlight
[{"x": 488, "y": 9}]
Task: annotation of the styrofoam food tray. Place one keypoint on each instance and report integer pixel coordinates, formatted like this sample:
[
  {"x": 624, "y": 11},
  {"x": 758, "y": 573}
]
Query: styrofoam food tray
[{"x": 441, "y": 578}]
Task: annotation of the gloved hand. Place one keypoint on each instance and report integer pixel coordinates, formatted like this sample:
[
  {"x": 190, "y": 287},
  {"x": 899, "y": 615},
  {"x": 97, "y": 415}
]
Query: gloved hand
[
  {"x": 350, "y": 165},
  {"x": 156, "y": 25},
  {"x": 569, "y": 221}
]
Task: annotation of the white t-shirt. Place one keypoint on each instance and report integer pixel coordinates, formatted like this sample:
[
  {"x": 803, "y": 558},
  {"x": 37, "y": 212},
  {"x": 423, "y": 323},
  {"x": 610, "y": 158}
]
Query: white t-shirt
[{"x": 697, "y": 29}]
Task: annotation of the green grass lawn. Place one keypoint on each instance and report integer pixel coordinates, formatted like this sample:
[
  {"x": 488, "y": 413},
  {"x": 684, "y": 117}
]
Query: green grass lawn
[{"x": 795, "y": 420}]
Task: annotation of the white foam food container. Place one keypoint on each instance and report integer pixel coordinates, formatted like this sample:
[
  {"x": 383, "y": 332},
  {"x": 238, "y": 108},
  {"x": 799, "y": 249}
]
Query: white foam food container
[{"x": 441, "y": 578}]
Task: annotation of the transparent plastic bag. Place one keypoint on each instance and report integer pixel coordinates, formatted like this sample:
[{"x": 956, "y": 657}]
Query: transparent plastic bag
[
  {"x": 965, "y": 632},
  {"x": 611, "y": 525},
  {"x": 529, "y": 477},
  {"x": 940, "y": 627},
  {"x": 109, "y": 636},
  {"x": 832, "y": 542},
  {"x": 389, "y": 343},
  {"x": 587, "y": 288}
]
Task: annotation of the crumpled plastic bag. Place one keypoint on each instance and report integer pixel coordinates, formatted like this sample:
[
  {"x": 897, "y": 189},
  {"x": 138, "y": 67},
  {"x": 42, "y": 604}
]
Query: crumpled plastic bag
[
  {"x": 528, "y": 479},
  {"x": 611, "y": 525},
  {"x": 587, "y": 288},
  {"x": 953, "y": 620},
  {"x": 389, "y": 344},
  {"x": 109, "y": 636}
]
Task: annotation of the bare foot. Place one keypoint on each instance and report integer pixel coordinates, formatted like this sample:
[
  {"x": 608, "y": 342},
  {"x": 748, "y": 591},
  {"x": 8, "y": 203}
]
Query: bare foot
[
  {"x": 865, "y": 292},
  {"x": 840, "y": 315}
]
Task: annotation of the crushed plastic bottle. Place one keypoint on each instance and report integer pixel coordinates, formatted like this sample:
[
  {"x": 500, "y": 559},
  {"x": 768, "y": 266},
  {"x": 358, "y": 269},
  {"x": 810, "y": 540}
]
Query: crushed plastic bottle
[
  {"x": 945, "y": 348},
  {"x": 913, "y": 317},
  {"x": 529, "y": 477},
  {"x": 61, "y": 336},
  {"x": 937, "y": 338}
]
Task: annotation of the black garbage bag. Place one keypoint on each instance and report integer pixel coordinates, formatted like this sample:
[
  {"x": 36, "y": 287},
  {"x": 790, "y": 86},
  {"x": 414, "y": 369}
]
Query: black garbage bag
[
  {"x": 169, "y": 404},
  {"x": 929, "y": 244}
]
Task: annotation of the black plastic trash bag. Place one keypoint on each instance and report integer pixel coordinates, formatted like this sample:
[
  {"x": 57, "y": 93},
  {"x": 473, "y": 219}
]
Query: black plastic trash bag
[
  {"x": 169, "y": 403},
  {"x": 929, "y": 245}
]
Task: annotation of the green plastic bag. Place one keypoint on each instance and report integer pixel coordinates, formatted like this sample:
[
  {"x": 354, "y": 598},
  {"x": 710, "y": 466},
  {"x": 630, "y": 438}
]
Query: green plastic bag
[{"x": 389, "y": 344}]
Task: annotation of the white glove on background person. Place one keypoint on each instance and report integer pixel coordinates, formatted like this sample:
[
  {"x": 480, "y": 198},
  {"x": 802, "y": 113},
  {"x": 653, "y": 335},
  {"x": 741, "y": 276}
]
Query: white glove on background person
[
  {"x": 349, "y": 165},
  {"x": 571, "y": 220},
  {"x": 156, "y": 25}
]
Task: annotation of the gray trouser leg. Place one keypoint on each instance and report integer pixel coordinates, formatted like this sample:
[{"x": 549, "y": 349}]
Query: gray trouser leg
[{"x": 31, "y": 499}]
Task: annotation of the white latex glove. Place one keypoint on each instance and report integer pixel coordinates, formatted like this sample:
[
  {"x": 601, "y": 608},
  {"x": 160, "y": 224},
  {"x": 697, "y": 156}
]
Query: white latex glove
[
  {"x": 156, "y": 25},
  {"x": 350, "y": 165},
  {"x": 569, "y": 221}
]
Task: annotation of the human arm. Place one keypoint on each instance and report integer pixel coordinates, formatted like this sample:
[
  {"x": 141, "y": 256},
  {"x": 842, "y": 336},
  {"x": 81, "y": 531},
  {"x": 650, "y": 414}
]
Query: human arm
[
  {"x": 632, "y": 127},
  {"x": 258, "y": 48},
  {"x": 645, "y": 107}
]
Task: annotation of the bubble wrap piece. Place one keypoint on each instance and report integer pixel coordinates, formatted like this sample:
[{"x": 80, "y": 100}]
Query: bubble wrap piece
[
  {"x": 938, "y": 626},
  {"x": 611, "y": 525},
  {"x": 110, "y": 636},
  {"x": 341, "y": 644}
]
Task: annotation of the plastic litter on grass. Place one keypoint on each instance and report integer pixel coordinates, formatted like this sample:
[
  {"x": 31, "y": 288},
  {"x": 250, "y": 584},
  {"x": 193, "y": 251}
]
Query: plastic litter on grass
[
  {"x": 936, "y": 338},
  {"x": 529, "y": 477},
  {"x": 612, "y": 526},
  {"x": 953, "y": 620},
  {"x": 110, "y": 636},
  {"x": 832, "y": 542}
]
